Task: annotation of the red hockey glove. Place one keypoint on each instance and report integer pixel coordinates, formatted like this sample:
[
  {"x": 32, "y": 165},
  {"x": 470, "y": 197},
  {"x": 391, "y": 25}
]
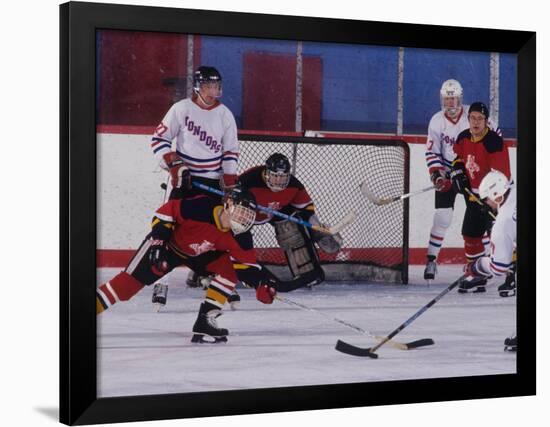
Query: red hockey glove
[
  {"x": 440, "y": 181},
  {"x": 228, "y": 181},
  {"x": 180, "y": 177},
  {"x": 265, "y": 293}
]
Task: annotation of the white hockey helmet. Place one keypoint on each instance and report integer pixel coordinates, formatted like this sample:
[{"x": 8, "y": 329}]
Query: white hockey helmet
[
  {"x": 494, "y": 186},
  {"x": 450, "y": 96}
]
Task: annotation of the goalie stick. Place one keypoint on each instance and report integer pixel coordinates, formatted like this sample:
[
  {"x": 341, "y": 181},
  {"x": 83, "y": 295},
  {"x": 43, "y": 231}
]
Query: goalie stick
[
  {"x": 349, "y": 219},
  {"x": 370, "y": 352},
  {"x": 381, "y": 201}
]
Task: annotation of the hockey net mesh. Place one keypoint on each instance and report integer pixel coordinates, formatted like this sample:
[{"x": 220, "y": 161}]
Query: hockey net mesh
[{"x": 376, "y": 244}]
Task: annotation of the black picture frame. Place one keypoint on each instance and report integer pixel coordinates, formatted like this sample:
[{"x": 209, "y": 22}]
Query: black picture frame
[{"x": 78, "y": 395}]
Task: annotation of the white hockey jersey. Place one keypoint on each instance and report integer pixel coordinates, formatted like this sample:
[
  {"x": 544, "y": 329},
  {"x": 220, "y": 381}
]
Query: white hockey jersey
[
  {"x": 503, "y": 239},
  {"x": 205, "y": 138},
  {"x": 442, "y": 134}
]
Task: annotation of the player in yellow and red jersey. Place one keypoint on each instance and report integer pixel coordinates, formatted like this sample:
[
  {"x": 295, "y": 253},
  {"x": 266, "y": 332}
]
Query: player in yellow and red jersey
[{"x": 199, "y": 233}]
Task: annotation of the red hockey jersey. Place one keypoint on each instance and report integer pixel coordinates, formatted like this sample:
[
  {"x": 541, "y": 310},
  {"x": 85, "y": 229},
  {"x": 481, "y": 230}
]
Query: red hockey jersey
[
  {"x": 294, "y": 195},
  {"x": 481, "y": 155}
]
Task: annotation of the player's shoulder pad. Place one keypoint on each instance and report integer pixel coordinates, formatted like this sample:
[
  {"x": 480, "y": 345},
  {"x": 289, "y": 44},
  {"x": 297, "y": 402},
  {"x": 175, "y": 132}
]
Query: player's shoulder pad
[
  {"x": 493, "y": 142},
  {"x": 252, "y": 177},
  {"x": 464, "y": 134},
  {"x": 199, "y": 208}
]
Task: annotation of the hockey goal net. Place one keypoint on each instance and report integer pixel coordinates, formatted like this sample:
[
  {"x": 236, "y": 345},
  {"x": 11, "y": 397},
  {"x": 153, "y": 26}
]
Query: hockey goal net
[{"x": 375, "y": 246}]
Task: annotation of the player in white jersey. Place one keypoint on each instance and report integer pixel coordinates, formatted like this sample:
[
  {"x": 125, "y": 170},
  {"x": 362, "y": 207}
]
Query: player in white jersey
[
  {"x": 205, "y": 134},
  {"x": 444, "y": 127},
  {"x": 497, "y": 192},
  {"x": 206, "y": 148}
]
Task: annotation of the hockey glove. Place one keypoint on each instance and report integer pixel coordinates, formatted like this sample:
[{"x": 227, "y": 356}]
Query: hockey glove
[
  {"x": 460, "y": 180},
  {"x": 228, "y": 182},
  {"x": 157, "y": 256},
  {"x": 265, "y": 293},
  {"x": 180, "y": 177},
  {"x": 440, "y": 181}
]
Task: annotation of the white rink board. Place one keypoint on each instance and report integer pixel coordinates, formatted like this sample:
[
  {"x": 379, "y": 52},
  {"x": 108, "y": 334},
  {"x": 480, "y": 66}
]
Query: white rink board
[
  {"x": 144, "y": 352},
  {"x": 129, "y": 192}
]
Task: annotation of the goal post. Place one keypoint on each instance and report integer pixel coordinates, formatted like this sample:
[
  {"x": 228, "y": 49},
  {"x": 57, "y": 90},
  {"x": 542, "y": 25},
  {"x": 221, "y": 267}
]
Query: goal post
[{"x": 376, "y": 245}]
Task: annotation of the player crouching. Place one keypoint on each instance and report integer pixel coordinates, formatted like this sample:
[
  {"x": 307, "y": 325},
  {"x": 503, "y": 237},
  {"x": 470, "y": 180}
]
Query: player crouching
[
  {"x": 201, "y": 234},
  {"x": 500, "y": 195}
]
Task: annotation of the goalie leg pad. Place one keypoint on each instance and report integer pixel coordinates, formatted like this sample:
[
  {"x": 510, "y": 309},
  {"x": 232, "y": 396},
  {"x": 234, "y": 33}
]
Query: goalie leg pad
[{"x": 299, "y": 250}]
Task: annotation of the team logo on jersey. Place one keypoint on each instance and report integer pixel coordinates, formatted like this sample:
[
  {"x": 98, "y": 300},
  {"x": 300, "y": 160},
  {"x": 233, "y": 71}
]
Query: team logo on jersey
[
  {"x": 274, "y": 205},
  {"x": 471, "y": 165},
  {"x": 203, "y": 247},
  {"x": 202, "y": 135}
]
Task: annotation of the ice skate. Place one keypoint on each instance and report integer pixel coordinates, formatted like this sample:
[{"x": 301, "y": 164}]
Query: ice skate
[
  {"x": 508, "y": 288},
  {"x": 234, "y": 300},
  {"x": 160, "y": 295},
  {"x": 430, "y": 270},
  {"x": 471, "y": 284},
  {"x": 206, "y": 326},
  {"x": 511, "y": 343},
  {"x": 196, "y": 281}
]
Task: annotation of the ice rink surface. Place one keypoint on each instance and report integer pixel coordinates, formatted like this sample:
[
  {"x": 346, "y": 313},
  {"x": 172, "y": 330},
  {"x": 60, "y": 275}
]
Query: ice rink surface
[{"x": 142, "y": 352}]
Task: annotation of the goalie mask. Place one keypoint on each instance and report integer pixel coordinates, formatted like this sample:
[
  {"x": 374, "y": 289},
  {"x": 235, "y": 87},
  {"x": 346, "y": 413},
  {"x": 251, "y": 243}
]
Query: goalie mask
[
  {"x": 451, "y": 97},
  {"x": 494, "y": 187},
  {"x": 207, "y": 77},
  {"x": 277, "y": 172},
  {"x": 241, "y": 207}
]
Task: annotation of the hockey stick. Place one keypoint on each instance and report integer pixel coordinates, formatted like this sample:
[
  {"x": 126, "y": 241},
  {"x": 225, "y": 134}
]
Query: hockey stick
[
  {"x": 401, "y": 346},
  {"x": 381, "y": 201},
  {"x": 476, "y": 199},
  {"x": 349, "y": 219},
  {"x": 370, "y": 352}
]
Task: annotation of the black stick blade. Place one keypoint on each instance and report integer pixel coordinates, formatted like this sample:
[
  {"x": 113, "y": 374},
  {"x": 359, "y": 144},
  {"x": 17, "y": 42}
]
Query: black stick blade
[
  {"x": 420, "y": 343},
  {"x": 352, "y": 350}
]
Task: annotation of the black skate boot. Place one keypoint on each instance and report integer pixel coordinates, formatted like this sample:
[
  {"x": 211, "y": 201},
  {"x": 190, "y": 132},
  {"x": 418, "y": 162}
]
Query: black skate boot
[
  {"x": 472, "y": 284},
  {"x": 234, "y": 300},
  {"x": 206, "y": 326},
  {"x": 160, "y": 295},
  {"x": 508, "y": 288},
  {"x": 511, "y": 343},
  {"x": 431, "y": 269}
]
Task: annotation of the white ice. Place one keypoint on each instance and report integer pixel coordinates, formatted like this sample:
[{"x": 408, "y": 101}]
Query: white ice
[{"x": 142, "y": 352}]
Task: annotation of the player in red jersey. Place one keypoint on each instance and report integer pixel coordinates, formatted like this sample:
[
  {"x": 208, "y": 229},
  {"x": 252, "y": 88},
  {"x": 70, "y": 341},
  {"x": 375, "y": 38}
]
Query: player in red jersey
[
  {"x": 478, "y": 151},
  {"x": 199, "y": 233},
  {"x": 274, "y": 186}
]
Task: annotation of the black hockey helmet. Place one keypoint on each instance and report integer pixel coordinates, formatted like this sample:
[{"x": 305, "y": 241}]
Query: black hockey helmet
[
  {"x": 241, "y": 206},
  {"x": 277, "y": 172},
  {"x": 480, "y": 107},
  {"x": 206, "y": 74}
]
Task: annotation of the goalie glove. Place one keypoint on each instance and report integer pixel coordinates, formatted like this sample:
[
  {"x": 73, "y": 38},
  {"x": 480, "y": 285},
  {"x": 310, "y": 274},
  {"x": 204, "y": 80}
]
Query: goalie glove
[
  {"x": 180, "y": 178},
  {"x": 441, "y": 182},
  {"x": 328, "y": 243},
  {"x": 265, "y": 293}
]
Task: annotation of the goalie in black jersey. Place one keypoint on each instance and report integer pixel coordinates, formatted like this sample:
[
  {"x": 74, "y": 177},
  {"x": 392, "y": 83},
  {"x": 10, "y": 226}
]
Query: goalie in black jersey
[{"x": 273, "y": 185}]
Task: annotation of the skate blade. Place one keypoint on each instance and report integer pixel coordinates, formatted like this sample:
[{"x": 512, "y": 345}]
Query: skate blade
[
  {"x": 206, "y": 339},
  {"x": 510, "y": 348},
  {"x": 158, "y": 306}
]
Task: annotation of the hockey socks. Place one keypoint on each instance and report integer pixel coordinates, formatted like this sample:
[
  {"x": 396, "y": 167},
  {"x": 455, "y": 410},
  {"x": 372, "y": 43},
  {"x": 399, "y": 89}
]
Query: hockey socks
[{"x": 121, "y": 288}]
